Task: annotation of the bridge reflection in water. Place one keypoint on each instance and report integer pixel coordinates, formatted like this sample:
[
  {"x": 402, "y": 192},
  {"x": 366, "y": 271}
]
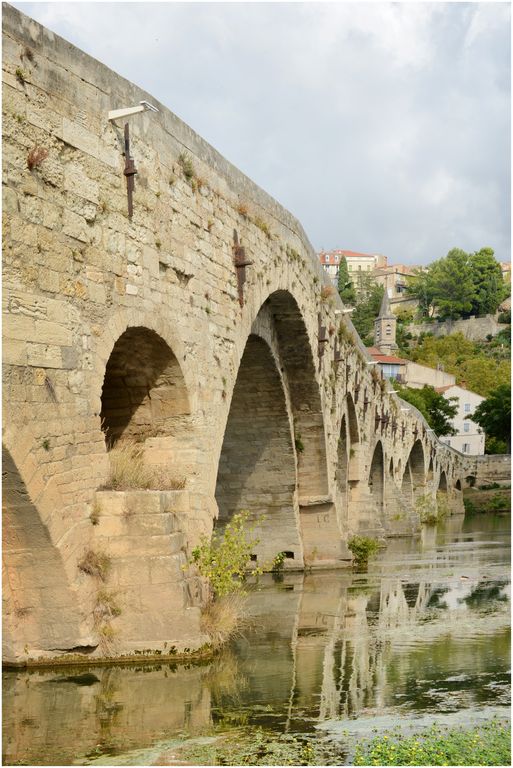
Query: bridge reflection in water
[{"x": 424, "y": 630}]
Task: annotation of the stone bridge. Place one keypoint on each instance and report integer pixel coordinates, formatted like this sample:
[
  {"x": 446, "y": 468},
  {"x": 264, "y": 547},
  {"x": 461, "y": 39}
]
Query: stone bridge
[{"x": 203, "y": 328}]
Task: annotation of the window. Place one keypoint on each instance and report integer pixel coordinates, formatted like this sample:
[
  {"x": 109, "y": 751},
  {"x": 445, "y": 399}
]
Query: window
[
  {"x": 466, "y": 426},
  {"x": 466, "y": 447},
  {"x": 336, "y": 259},
  {"x": 467, "y": 407},
  {"x": 350, "y": 267}
]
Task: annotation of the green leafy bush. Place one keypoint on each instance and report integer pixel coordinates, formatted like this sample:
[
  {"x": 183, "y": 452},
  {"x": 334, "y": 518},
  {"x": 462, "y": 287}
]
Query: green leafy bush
[
  {"x": 362, "y": 548},
  {"x": 223, "y": 559}
]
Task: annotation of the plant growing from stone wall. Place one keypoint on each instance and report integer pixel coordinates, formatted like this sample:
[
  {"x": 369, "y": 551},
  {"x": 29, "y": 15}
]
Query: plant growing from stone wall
[
  {"x": 95, "y": 564},
  {"x": 128, "y": 471},
  {"x": 36, "y": 156}
]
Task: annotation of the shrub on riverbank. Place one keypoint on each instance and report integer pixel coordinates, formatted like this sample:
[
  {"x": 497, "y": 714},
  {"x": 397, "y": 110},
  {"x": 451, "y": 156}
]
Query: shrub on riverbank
[
  {"x": 362, "y": 548},
  {"x": 223, "y": 560},
  {"x": 488, "y": 744}
]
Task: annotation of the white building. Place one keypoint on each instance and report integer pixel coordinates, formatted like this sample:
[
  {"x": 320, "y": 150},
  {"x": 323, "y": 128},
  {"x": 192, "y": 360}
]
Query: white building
[
  {"x": 356, "y": 262},
  {"x": 469, "y": 437}
]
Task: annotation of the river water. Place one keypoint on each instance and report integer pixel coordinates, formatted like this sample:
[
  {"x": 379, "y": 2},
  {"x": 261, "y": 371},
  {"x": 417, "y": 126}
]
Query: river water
[{"x": 422, "y": 635}]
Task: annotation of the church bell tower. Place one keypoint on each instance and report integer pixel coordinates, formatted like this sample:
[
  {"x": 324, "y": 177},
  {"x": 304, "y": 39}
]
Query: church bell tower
[{"x": 385, "y": 328}]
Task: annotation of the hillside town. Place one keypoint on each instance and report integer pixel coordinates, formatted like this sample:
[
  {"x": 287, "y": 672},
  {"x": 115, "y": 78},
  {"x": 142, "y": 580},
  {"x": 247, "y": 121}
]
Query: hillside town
[{"x": 352, "y": 271}]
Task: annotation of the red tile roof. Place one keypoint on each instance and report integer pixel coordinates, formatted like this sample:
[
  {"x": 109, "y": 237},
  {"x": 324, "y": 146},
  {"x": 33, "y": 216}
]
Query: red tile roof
[{"x": 381, "y": 358}]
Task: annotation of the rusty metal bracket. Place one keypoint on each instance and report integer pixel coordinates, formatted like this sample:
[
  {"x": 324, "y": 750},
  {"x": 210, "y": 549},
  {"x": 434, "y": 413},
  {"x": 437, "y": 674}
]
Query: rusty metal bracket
[
  {"x": 241, "y": 262},
  {"x": 129, "y": 171}
]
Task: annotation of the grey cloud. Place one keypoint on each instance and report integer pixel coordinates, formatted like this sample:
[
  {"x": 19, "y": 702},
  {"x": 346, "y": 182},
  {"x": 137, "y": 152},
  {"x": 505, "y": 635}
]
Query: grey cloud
[{"x": 382, "y": 127}]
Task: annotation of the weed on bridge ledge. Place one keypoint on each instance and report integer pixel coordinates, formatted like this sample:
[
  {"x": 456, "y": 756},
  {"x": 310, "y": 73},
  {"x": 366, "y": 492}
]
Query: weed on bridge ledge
[{"x": 128, "y": 471}]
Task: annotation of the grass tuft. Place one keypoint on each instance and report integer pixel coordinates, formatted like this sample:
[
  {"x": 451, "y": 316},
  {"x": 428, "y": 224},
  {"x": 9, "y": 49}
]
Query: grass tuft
[
  {"x": 128, "y": 471},
  {"x": 95, "y": 564},
  {"x": 222, "y": 618}
]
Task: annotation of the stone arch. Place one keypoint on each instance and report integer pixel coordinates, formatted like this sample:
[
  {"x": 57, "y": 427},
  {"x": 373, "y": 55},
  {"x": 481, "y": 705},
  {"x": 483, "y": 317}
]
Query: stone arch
[
  {"x": 457, "y": 485},
  {"x": 341, "y": 475},
  {"x": 442, "y": 483},
  {"x": 470, "y": 481},
  {"x": 297, "y": 360},
  {"x": 377, "y": 480},
  {"x": 40, "y": 610},
  {"x": 407, "y": 487},
  {"x": 352, "y": 420},
  {"x": 416, "y": 464},
  {"x": 257, "y": 465},
  {"x": 144, "y": 392}
]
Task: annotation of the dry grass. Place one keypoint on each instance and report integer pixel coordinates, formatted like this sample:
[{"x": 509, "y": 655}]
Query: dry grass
[
  {"x": 223, "y": 618},
  {"x": 327, "y": 291},
  {"x": 243, "y": 210},
  {"x": 128, "y": 471},
  {"x": 95, "y": 564},
  {"x": 263, "y": 226},
  {"x": 36, "y": 156}
]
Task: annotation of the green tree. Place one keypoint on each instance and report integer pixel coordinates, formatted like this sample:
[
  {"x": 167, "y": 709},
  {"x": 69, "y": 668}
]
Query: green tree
[
  {"x": 453, "y": 286},
  {"x": 436, "y": 409},
  {"x": 478, "y": 367},
  {"x": 489, "y": 285},
  {"x": 494, "y": 415},
  {"x": 368, "y": 302},
  {"x": 420, "y": 287},
  {"x": 459, "y": 285},
  {"x": 345, "y": 287}
]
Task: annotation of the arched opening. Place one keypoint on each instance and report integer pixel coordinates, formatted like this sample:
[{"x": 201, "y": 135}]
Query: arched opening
[
  {"x": 430, "y": 469},
  {"x": 342, "y": 471},
  {"x": 470, "y": 481},
  {"x": 298, "y": 364},
  {"x": 39, "y": 608},
  {"x": 377, "y": 480},
  {"x": 417, "y": 468},
  {"x": 407, "y": 488},
  {"x": 442, "y": 496},
  {"x": 458, "y": 485},
  {"x": 257, "y": 466},
  {"x": 352, "y": 420},
  {"x": 144, "y": 393},
  {"x": 391, "y": 468}
]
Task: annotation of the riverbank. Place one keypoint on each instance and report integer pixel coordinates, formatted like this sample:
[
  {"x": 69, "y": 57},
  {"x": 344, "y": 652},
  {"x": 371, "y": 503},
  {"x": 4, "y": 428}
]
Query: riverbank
[
  {"x": 326, "y": 661},
  {"x": 492, "y": 498}
]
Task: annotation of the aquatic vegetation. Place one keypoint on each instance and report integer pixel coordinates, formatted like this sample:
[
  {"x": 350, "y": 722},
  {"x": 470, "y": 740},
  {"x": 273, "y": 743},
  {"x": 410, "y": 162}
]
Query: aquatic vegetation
[
  {"x": 256, "y": 746},
  {"x": 488, "y": 744}
]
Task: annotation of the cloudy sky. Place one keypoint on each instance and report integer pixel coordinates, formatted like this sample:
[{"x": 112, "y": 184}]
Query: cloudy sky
[{"x": 384, "y": 127}]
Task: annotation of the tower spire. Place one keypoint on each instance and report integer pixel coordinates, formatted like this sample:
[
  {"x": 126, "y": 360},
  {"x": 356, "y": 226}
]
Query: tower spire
[{"x": 385, "y": 328}]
